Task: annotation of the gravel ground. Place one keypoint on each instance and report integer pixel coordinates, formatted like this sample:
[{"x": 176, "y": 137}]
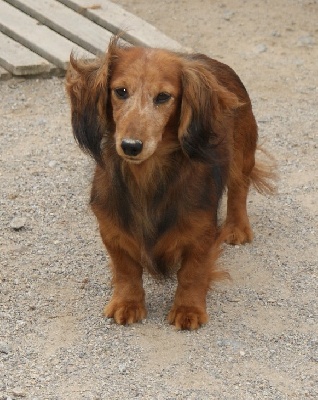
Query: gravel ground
[{"x": 261, "y": 341}]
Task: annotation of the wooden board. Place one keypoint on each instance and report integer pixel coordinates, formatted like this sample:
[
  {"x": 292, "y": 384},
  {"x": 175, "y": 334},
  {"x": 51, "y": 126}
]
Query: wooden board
[
  {"x": 115, "y": 19},
  {"x": 38, "y": 38},
  {"x": 19, "y": 60},
  {"x": 41, "y": 34},
  {"x": 4, "y": 74},
  {"x": 68, "y": 23}
]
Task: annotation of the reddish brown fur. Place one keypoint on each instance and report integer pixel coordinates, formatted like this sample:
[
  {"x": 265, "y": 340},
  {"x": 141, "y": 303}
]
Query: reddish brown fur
[{"x": 158, "y": 209}]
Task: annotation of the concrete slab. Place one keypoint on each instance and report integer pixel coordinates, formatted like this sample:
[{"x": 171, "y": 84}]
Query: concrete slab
[
  {"x": 115, "y": 19},
  {"x": 68, "y": 23},
  {"x": 19, "y": 60},
  {"x": 39, "y": 38}
]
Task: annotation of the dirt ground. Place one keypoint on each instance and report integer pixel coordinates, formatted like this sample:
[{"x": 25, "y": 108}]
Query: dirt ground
[{"x": 261, "y": 341}]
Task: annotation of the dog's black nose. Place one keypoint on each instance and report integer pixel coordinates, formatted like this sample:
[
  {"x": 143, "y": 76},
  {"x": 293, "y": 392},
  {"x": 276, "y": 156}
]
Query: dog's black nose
[{"x": 131, "y": 147}]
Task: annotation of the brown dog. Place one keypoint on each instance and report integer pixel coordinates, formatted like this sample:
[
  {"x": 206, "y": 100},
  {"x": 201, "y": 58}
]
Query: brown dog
[{"x": 168, "y": 132}]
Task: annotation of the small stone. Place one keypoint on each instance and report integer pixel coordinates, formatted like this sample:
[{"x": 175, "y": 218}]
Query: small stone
[
  {"x": 276, "y": 34},
  {"x": 260, "y": 48},
  {"x": 13, "y": 196},
  {"x": 42, "y": 121},
  {"x": 17, "y": 392},
  {"x": 122, "y": 368},
  {"x": 299, "y": 62},
  {"x": 242, "y": 353},
  {"x": 5, "y": 348},
  {"x": 18, "y": 223},
  {"x": 234, "y": 300},
  {"x": 52, "y": 164},
  {"x": 227, "y": 15},
  {"x": 307, "y": 40},
  {"x": 265, "y": 119}
]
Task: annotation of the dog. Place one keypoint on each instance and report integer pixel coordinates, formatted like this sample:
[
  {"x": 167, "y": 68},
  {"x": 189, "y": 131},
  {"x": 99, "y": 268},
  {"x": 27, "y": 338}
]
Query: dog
[{"x": 169, "y": 132}]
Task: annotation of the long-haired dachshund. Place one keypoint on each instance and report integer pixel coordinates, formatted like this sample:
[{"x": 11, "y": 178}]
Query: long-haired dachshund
[{"x": 169, "y": 132}]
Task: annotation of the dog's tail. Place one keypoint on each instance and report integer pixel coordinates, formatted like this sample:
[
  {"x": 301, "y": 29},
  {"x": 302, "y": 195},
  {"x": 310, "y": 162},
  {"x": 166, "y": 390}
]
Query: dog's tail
[{"x": 264, "y": 174}]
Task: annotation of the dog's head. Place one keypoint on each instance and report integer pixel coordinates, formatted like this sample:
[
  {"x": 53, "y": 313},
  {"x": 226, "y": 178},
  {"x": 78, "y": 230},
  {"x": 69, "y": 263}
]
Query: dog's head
[{"x": 145, "y": 99}]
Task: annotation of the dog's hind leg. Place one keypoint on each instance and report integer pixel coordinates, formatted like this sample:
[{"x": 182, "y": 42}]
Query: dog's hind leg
[{"x": 237, "y": 228}]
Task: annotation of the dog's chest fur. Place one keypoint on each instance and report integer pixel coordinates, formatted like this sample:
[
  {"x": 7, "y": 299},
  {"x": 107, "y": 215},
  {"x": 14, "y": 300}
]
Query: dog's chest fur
[{"x": 150, "y": 211}]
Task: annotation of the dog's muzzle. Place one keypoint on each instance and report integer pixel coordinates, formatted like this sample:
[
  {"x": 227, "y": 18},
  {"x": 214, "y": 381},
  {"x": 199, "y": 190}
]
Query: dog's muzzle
[{"x": 131, "y": 147}]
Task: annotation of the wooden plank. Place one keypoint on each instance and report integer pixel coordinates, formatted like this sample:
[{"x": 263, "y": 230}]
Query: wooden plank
[
  {"x": 68, "y": 23},
  {"x": 40, "y": 39},
  {"x": 19, "y": 60},
  {"x": 116, "y": 19},
  {"x": 4, "y": 74}
]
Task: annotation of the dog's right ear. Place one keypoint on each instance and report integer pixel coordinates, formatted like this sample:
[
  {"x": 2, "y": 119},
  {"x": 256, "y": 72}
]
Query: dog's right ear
[{"x": 87, "y": 87}]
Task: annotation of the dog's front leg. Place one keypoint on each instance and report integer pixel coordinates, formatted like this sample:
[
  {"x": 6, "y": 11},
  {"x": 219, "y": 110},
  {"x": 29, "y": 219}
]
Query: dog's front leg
[
  {"x": 127, "y": 304},
  {"x": 189, "y": 308}
]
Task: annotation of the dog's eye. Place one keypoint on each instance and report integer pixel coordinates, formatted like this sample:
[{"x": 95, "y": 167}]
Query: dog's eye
[
  {"x": 121, "y": 93},
  {"x": 162, "y": 98}
]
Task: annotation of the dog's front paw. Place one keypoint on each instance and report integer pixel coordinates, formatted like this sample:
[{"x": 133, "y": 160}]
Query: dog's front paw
[
  {"x": 187, "y": 317},
  {"x": 125, "y": 312}
]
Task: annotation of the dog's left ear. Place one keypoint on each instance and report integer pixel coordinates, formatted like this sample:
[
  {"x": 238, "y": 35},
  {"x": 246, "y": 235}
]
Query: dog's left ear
[
  {"x": 87, "y": 87},
  {"x": 205, "y": 104}
]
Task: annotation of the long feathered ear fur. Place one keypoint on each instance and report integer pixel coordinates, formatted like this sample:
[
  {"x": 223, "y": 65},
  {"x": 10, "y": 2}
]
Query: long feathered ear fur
[
  {"x": 87, "y": 87},
  {"x": 205, "y": 104}
]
